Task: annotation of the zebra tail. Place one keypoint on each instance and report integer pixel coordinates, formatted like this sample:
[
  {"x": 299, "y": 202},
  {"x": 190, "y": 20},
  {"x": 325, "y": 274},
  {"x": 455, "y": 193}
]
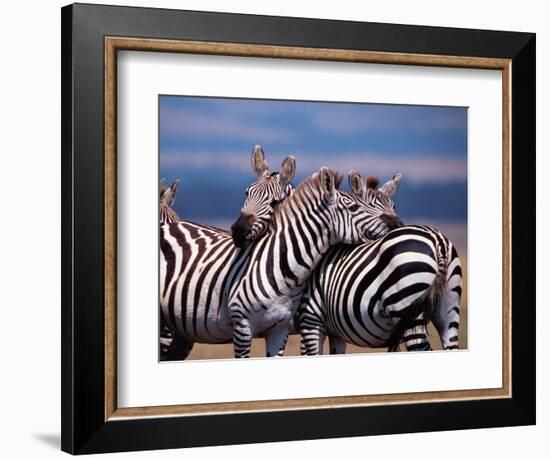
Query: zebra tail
[
  {"x": 440, "y": 282},
  {"x": 426, "y": 303}
]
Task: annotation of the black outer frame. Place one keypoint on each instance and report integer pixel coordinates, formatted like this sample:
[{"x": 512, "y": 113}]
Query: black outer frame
[{"x": 84, "y": 429}]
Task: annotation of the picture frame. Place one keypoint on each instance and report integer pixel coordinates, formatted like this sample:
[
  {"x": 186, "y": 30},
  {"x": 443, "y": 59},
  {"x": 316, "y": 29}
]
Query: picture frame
[{"x": 92, "y": 35}]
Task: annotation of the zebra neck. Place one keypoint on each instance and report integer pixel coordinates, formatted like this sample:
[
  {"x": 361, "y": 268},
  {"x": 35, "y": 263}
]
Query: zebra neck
[
  {"x": 299, "y": 239},
  {"x": 168, "y": 215}
]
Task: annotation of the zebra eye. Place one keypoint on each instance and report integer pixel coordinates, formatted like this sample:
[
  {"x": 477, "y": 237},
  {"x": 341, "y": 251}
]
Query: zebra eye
[
  {"x": 353, "y": 208},
  {"x": 274, "y": 203}
]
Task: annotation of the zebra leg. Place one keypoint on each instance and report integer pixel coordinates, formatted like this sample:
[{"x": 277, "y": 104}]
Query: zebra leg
[
  {"x": 337, "y": 345},
  {"x": 281, "y": 351},
  {"x": 311, "y": 325},
  {"x": 165, "y": 342},
  {"x": 275, "y": 342},
  {"x": 312, "y": 333},
  {"x": 242, "y": 335},
  {"x": 416, "y": 336},
  {"x": 446, "y": 313},
  {"x": 166, "y": 335},
  {"x": 311, "y": 341},
  {"x": 292, "y": 329},
  {"x": 446, "y": 319},
  {"x": 177, "y": 350}
]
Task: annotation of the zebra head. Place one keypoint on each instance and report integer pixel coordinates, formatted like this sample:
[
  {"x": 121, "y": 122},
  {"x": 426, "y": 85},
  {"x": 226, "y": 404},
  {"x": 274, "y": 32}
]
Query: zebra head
[
  {"x": 167, "y": 199},
  {"x": 365, "y": 213},
  {"x": 262, "y": 196},
  {"x": 379, "y": 201}
]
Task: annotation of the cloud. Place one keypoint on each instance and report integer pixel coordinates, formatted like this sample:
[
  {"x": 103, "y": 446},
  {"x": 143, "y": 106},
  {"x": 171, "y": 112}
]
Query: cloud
[
  {"x": 184, "y": 124},
  {"x": 420, "y": 168},
  {"x": 348, "y": 119},
  {"x": 417, "y": 168}
]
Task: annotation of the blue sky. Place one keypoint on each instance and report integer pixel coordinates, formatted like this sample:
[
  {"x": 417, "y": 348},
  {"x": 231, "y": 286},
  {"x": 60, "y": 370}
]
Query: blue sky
[{"x": 206, "y": 143}]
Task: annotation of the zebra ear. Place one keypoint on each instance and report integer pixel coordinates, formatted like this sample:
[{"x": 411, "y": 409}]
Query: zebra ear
[
  {"x": 288, "y": 169},
  {"x": 391, "y": 186},
  {"x": 259, "y": 164},
  {"x": 174, "y": 190},
  {"x": 326, "y": 179},
  {"x": 162, "y": 187},
  {"x": 355, "y": 183},
  {"x": 175, "y": 186}
]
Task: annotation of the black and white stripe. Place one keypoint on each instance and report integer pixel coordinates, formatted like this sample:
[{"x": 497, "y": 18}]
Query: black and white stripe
[
  {"x": 384, "y": 292},
  {"x": 317, "y": 215},
  {"x": 167, "y": 197},
  {"x": 213, "y": 292},
  {"x": 199, "y": 263}
]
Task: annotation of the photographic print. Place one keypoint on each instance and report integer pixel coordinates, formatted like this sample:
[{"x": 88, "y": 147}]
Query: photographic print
[
  {"x": 310, "y": 228},
  {"x": 314, "y": 223}
]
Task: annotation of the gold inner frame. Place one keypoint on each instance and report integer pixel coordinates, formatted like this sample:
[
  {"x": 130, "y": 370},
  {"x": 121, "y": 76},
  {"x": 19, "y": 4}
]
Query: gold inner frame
[{"x": 114, "y": 44}]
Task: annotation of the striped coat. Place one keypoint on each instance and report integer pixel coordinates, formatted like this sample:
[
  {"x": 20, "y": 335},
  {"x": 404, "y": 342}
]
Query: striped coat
[
  {"x": 167, "y": 197},
  {"x": 303, "y": 228},
  {"x": 207, "y": 298},
  {"x": 384, "y": 292},
  {"x": 199, "y": 263}
]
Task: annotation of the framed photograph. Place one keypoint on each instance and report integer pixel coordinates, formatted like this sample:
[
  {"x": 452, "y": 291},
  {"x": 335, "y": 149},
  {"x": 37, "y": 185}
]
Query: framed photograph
[{"x": 281, "y": 228}]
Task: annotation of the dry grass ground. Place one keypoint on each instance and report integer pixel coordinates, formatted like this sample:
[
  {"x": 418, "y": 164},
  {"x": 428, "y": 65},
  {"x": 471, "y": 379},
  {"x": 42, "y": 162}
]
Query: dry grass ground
[{"x": 206, "y": 351}]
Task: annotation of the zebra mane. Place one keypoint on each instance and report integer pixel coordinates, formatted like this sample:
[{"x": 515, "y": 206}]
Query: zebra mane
[
  {"x": 372, "y": 182},
  {"x": 168, "y": 214},
  {"x": 307, "y": 186},
  {"x": 338, "y": 179}
]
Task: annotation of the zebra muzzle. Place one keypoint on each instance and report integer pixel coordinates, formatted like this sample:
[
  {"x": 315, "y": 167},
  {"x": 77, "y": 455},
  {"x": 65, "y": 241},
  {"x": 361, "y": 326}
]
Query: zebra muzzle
[
  {"x": 391, "y": 221},
  {"x": 241, "y": 229}
]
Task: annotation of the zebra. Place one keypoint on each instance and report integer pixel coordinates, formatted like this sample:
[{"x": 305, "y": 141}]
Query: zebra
[
  {"x": 167, "y": 197},
  {"x": 261, "y": 198},
  {"x": 258, "y": 207},
  {"x": 166, "y": 200},
  {"x": 383, "y": 292},
  {"x": 199, "y": 263},
  {"x": 317, "y": 215}
]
